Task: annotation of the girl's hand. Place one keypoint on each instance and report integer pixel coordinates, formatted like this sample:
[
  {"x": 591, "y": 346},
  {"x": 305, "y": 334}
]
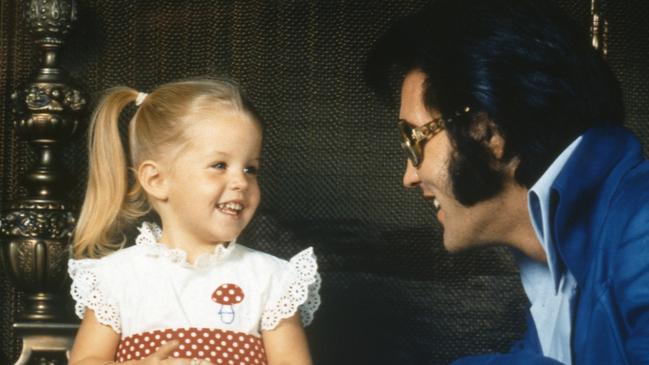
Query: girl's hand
[{"x": 161, "y": 357}]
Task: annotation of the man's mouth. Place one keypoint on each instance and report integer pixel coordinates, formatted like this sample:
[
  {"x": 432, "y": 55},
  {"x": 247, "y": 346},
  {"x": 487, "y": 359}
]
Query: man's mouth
[
  {"x": 230, "y": 208},
  {"x": 438, "y": 208},
  {"x": 434, "y": 200}
]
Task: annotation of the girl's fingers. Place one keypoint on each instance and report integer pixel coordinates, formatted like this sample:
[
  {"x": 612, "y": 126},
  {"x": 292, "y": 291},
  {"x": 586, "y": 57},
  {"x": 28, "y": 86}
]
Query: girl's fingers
[
  {"x": 165, "y": 350},
  {"x": 174, "y": 361}
]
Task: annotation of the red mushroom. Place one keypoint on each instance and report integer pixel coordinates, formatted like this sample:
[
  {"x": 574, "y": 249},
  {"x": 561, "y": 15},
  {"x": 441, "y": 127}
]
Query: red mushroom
[{"x": 227, "y": 295}]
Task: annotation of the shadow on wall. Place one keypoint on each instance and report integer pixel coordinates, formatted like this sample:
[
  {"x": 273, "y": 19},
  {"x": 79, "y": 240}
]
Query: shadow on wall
[{"x": 384, "y": 305}]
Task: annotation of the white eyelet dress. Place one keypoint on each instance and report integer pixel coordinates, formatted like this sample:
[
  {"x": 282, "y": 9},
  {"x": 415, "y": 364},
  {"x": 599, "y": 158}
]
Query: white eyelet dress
[{"x": 216, "y": 307}]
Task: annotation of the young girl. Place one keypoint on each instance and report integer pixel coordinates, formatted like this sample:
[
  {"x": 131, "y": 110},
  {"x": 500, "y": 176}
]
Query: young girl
[{"x": 185, "y": 292}]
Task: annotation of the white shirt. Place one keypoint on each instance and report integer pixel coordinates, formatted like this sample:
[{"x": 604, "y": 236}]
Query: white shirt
[
  {"x": 550, "y": 288},
  {"x": 150, "y": 291}
]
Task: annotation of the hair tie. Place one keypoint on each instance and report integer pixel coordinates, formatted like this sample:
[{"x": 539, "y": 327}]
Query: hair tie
[{"x": 140, "y": 98}]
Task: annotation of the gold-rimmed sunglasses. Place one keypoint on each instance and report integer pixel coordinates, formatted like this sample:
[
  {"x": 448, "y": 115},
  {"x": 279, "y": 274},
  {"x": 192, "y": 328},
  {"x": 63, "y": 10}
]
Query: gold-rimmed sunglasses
[{"x": 414, "y": 139}]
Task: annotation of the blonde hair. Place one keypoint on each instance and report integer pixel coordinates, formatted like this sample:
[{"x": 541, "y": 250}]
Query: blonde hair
[{"x": 114, "y": 198}]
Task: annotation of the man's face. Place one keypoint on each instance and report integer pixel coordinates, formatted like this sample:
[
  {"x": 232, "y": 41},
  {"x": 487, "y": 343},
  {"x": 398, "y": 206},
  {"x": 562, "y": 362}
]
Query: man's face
[{"x": 464, "y": 227}]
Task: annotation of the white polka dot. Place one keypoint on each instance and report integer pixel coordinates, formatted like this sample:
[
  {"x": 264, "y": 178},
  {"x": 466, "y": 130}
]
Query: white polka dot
[
  {"x": 147, "y": 351},
  {"x": 176, "y": 353},
  {"x": 205, "y": 334},
  {"x": 219, "y": 361},
  {"x": 226, "y": 299},
  {"x": 223, "y": 343},
  {"x": 146, "y": 338},
  {"x": 194, "y": 347},
  {"x": 181, "y": 334},
  {"x": 218, "y": 292},
  {"x": 136, "y": 340},
  {"x": 241, "y": 338},
  {"x": 200, "y": 340},
  {"x": 211, "y": 342},
  {"x": 157, "y": 337},
  {"x": 218, "y": 335},
  {"x": 169, "y": 335},
  {"x": 225, "y": 354},
  {"x": 181, "y": 347},
  {"x": 201, "y": 353},
  {"x": 237, "y": 298},
  {"x": 188, "y": 341},
  {"x": 128, "y": 357},
  {"x": 193, "y": 334},
  {"x": 188, "y": 353},
  {"x": 235, "y": 344},
  {"x": 137, "y": 353},
  {"x": 152, "y": 344},
  {"x": 229, "y": 337},
  {"x": 231, "y": 292}
]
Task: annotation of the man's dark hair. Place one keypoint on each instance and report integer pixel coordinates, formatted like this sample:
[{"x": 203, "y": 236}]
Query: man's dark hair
[{"x": 522, "y": 66}]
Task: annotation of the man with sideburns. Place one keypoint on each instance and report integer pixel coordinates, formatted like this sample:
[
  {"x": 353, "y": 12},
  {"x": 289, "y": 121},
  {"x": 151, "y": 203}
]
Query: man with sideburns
[{"x": 512, "y": 125}]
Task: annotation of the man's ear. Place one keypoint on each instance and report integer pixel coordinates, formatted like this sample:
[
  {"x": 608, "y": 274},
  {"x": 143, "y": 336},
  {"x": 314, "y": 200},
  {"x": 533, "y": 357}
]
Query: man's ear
[
  {"x": 486, "y": 131},
  {"x": 153, "y": 180},
  {"x": 496, "y": 144}
]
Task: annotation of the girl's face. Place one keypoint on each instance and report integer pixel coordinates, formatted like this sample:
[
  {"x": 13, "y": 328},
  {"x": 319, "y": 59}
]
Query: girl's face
[{"x": 212, "y": 181}]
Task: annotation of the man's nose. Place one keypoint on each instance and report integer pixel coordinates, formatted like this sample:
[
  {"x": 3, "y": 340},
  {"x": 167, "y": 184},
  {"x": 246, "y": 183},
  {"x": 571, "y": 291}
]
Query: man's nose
[{"x": 410, "y": 177}]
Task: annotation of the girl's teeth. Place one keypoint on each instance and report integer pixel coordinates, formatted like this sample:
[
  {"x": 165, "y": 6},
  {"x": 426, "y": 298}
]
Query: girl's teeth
[{"x": 231, "y": 206}]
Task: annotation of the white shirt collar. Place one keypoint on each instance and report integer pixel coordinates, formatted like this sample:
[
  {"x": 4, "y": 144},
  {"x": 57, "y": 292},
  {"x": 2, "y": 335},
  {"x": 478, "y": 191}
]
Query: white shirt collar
[
  {"x": 149, "y": 238},
  {"x": 540, "y": 209}
]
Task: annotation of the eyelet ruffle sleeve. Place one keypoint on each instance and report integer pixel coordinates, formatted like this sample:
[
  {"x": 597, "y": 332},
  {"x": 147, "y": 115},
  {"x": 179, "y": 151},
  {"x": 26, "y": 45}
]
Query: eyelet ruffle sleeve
[
  {"x": 89, "y": 291},
  {"x": 300, "y": 287}
]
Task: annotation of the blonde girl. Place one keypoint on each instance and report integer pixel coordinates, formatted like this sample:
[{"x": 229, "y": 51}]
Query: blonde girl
[{"x": 185, "y": 292}]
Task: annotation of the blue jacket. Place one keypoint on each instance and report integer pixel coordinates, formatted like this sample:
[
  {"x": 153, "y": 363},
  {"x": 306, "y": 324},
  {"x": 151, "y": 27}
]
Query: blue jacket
[{"x": 601, "y": 227}]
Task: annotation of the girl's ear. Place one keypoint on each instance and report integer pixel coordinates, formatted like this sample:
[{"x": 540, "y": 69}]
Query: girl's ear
[{"x": 153, "y": 180}]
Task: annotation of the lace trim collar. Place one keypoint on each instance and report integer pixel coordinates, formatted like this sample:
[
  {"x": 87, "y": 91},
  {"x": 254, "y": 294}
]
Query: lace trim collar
[{"x": 150, "y": 234}]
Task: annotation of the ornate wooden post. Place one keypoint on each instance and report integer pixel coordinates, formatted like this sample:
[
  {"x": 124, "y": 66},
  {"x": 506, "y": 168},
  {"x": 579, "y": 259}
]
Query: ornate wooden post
[
  {"x": 36, "y": 228},
  {"x": 599, "y": 28}
]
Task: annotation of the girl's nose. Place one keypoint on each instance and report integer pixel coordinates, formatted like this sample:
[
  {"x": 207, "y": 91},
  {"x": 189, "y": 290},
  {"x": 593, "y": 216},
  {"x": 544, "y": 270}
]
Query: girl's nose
[
  {"x": 410, "y": 177},
  {"x": 239, "y": 180}
]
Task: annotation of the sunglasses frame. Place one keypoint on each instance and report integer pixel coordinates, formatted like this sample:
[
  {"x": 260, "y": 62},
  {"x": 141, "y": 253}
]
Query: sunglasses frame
[{"x": 414, "y": 139}]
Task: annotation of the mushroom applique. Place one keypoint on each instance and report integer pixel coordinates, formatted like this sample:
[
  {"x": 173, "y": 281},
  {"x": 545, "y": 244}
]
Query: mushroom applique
[{"x": 227, "y": 295}]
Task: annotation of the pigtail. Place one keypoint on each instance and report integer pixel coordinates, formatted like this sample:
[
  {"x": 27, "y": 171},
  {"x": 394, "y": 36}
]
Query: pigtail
[{"x": 109, "y": 204}]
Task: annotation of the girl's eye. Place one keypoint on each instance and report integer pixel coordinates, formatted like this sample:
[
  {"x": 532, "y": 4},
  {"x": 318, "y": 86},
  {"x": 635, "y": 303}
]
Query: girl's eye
[
  {"x": 251, "y": 170},
  {"x": 219, "y": 165}
]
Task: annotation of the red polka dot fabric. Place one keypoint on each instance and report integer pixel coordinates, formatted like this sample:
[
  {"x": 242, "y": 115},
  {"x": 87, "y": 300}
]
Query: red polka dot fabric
[{"x": 214, "y": 345}]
